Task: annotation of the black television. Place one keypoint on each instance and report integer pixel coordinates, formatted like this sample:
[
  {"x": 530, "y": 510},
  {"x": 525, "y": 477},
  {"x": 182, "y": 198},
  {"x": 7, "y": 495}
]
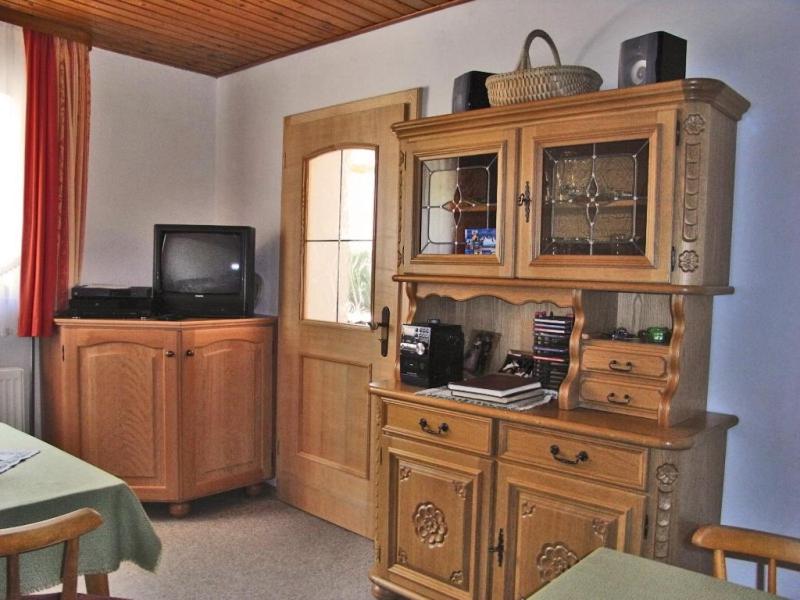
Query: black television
[{"x": 204, "y": 270}]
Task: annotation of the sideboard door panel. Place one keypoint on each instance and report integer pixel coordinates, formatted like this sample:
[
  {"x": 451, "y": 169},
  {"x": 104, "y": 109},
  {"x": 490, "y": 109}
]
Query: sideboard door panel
[
  {"x": 123, "y": 386},
  {"x": 552, "y": 522},
  {"x": 436, "y": 504},
  {"x": 223, "y": 407}
]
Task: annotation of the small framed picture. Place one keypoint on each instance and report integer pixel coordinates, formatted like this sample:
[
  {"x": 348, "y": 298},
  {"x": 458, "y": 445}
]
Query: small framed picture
[
  {"x": 518, "y": 362},
  {"x": 477, "y": 354},
  {"x": 480, "y": 241}
]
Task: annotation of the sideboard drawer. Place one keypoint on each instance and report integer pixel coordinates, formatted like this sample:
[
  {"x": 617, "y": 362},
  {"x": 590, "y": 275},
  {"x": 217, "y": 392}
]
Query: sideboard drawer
[
  {"x": 453, "y": 429},
  {"x": 622, "y": 395},
  {"x": 649, "y": 362},
  {"x": 575, "y": 455}
]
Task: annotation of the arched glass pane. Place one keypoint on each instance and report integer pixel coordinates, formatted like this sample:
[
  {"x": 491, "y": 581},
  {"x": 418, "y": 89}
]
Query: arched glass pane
[{"x": 340, "y": 221}]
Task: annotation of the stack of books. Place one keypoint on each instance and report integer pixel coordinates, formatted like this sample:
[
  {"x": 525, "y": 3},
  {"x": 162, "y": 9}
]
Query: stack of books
[
  {"x": 551, "y": 335},
  {"x": 498, "y": 388}
]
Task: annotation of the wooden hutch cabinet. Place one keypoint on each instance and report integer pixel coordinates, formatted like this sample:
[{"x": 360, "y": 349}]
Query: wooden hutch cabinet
[
  {"x": 614, "y": 207},
  {"x": 179, "y": 410}
]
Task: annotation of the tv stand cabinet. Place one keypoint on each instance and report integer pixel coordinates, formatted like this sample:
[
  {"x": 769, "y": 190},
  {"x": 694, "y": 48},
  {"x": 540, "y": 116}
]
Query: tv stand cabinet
[{"x": 177, "y": 409}]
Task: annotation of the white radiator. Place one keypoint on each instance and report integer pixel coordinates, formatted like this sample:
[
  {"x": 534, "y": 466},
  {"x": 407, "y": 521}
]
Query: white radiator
[{"x": 14, "y": 406}]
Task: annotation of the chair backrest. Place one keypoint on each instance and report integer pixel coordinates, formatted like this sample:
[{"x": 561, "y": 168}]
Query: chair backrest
[
  {"x": 775, "y": 548},
  {"x": 65, "y": 529}
]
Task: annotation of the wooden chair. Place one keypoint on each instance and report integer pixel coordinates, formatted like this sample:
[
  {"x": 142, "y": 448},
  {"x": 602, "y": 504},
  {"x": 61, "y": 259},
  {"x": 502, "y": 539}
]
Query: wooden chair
[
  {"x": 775, "y": 548},
  {"x": 65, "y": 529}
]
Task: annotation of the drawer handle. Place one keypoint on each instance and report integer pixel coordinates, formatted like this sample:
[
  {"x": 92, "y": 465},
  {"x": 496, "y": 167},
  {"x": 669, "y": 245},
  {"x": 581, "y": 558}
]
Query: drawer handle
[
  {"x": 443, "y": 427},
  {"x": 169, "y": 353},
  {"x": 580, "y": 457},
  {"x": 614, "y": 399},
  {"x": 616, "y": 366}
]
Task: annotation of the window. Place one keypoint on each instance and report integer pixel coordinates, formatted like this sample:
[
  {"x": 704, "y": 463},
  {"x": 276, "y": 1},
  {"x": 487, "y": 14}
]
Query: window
[
  {"x": 339, "y": 229},
  {"x": 12, "y": 149}
]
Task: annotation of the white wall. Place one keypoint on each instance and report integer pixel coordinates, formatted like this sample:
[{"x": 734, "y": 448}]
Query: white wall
[
  {"x": 750, "y": 44},
  {"x": 151, "y": 160}
]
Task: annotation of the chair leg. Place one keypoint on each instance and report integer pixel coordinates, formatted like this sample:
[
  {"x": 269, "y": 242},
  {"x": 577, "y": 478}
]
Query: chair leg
[
  {"x": 97, "y": 583},
  {"x": 772, "y": 576},
  {"x": 719, "y": 565}
]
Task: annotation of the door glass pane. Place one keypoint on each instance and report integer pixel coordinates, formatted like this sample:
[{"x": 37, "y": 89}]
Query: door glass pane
[
  {"x": 323, "y": 193},
  {"x": 358, "y": 192},
  {"x": 355, "y": 282},
  {"x": 340, "y": 221},
  {"x": 320, "y": 275},
  {"x": 594, "y": 199},
  {"x": 458, "y": 205}
]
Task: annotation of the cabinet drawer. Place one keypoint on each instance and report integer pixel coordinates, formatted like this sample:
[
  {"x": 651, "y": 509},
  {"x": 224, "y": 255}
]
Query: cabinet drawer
[
  {"x": 619, "y": 394},
  {"x": 445, "y": 427},
  {"x": 647, "y": 363},
  {"x": 575, "y": 455}
]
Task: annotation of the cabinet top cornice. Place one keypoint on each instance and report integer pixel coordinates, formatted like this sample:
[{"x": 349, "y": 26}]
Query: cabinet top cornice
[{"x": 669, "y": 93}]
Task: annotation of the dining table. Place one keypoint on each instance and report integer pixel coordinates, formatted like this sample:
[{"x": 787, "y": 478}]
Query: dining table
[
  {"x": 607, "y": 574},
  {"x": 51, "y": 483}
]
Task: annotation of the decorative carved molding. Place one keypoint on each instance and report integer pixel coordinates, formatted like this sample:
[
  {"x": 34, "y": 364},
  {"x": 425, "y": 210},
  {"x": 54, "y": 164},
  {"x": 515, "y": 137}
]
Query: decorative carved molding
[
  {"x": 666, "y": 475},
  {"x": 553, "y": 560},
  {"x": 405, "y": 473},
  {"x": 691, "y": 192},
  {"x": 457, "y": 578},
  {"x": 694, "y": 124},
  {"x": 527, "y": 509},
  {"x": 401, "y": 171},
  {"x": 402, "y": 557},
  {"x": 430, "y": 525},
  {"x": 460, "y": 489},
  {"x": 688, "y": 261},
  {"x": 600, "y": 529}
]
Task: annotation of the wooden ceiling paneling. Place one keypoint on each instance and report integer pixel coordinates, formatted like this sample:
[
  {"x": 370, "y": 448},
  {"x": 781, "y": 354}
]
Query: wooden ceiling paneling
[{"x": 214, "y": 37}]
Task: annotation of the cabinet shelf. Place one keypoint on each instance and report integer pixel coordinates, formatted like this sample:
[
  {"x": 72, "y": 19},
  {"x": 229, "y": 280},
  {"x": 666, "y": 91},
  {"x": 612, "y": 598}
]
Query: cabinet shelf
[{"x": 477, "y": 286}]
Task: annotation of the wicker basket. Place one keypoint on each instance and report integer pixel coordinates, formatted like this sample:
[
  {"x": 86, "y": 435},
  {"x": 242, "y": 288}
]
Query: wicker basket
[{"x": 525, "y": 83}]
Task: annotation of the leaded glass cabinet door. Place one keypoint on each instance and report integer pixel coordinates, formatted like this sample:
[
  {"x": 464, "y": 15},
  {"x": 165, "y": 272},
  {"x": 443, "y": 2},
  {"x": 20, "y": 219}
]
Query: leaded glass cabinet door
[
  {"x": 601, "y": 196},
  {"x": 457, "y": 193}
]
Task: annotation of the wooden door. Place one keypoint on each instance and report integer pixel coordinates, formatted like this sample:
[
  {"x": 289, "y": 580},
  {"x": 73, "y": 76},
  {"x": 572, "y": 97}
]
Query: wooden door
[
  {"x": 435, "y": 507},
  {"x": 601, "y": 193},
  {"x": 550, "y": 522},
  {"x": 226, "y": 402},
  {"x": 122, "y": 385},
  {"x": 339, "y": 248}
]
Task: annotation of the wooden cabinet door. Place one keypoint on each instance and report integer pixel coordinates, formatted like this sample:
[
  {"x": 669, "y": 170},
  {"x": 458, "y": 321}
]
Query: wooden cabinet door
[
  {"x": 459, "y": 205},
  {"x": 121, "y": 385},
  {"x": 226, "y": 408},
  {"x": 551, "y": 522},
  {"x": 434, "y": 509},
  {"x": 602, "y": 193}
]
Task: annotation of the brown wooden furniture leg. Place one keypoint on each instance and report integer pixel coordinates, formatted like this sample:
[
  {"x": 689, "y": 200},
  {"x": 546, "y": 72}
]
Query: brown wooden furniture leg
[
  {"x": 97, "y": 583},
  {"x": 179, "y": 509},
  {"x": 254, "y": 490}
]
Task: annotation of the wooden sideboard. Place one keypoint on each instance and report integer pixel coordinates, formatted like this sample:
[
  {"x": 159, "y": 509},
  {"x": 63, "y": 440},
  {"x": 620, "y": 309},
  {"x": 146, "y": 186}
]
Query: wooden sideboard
[
  {"x": 614, "y": 207},
  {"x": 447, "y": 503},
  {"x": 177, "y": 409}
]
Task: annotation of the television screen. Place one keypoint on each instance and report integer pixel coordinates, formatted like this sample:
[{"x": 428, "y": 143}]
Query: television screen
[
  {"x": 203, "y": 270},
  {"x": 201, "y": 263}
]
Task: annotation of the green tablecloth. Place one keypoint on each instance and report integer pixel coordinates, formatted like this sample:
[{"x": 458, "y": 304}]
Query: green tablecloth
[
  {"x": 52, "y": 483},
  {"x": 610, "y": 575}
]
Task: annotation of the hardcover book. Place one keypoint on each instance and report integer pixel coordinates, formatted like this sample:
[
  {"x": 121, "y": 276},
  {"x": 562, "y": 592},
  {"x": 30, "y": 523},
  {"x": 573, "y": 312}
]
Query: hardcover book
[{"x": 496, "y": 384}]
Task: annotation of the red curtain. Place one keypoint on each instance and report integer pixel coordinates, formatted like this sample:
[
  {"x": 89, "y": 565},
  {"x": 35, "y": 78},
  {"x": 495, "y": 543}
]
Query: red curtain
[
  {"x": 41, "y": 217},
  {"x": 56, "y": 153}
]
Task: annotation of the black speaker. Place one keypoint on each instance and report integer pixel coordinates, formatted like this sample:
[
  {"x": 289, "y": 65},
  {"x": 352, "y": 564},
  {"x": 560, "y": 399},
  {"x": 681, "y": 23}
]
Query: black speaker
[
  {"x": 657, "y": 56},
  {"x": 469, "y": 91}
]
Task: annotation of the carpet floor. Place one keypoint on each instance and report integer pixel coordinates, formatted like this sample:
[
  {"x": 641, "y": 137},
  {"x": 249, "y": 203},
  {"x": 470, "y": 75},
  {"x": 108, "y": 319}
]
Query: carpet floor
[{"x": 234, "y": 547}]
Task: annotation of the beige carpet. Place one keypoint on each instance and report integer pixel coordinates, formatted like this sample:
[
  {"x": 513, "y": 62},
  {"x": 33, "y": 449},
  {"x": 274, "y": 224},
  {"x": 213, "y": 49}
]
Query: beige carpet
[{"x": 234, "y": 547}]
